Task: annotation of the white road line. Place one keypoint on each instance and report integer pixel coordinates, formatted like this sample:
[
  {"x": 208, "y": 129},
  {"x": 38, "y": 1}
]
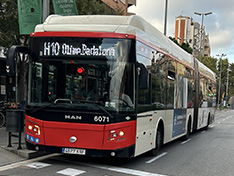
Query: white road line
[
  {"x": 203, "y": 132},
  {"x": 21, "y": 163},
  {"x": 71, "y": 172},
  {"x": 125, "y": 170},
  {"x": 38, "y": 165},
  {"x": 105, "y": 167},
  {"x": 155, "y": 158},
  {"x": 211, "y": 126},
  {"x": 186, "y": 141}
]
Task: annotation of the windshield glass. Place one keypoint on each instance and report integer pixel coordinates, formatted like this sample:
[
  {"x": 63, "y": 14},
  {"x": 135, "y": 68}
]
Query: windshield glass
[{"x": 106, "y": 80}]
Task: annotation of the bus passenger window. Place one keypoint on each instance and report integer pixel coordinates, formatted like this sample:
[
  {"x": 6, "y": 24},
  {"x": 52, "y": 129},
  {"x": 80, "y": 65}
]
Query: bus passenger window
[{"x": 143, "y": 76}]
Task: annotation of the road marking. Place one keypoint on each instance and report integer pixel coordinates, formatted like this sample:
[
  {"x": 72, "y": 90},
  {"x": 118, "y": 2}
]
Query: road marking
[
  {"x": 186, "y": 141},
  {"x": 211, "y": 126},
  {"x": 37, "y": 165},
  {"x": 125, "y": 170},
  {"x": 155, "y": 158},
  {"x": 116, "y": 169},
  {"x": 71, "y": 172},
  {"x": 203, "y": 132},
  {"x": 21, "y": 163}
]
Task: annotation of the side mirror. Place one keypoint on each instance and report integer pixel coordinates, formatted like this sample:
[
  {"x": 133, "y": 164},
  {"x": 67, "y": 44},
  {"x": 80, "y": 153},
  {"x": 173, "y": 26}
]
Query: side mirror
[{"x": 11, "y": 58}]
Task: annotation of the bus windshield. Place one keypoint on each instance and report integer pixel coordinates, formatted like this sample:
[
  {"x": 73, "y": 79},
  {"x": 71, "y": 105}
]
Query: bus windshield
[{"x": 81, "y": 81}]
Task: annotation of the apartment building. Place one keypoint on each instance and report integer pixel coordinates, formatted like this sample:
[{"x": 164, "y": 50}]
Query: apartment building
[
  {"x": 182, "y": 29},
  {"x": 120, "y": 4},
  {"x": 186, "y": 30}
]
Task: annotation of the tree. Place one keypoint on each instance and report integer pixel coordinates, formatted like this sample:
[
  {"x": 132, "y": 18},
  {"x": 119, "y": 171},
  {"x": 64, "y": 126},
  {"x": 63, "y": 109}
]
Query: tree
[
  {"x": 187, "y": 47},
  {"x": 231, "y": 80},
  {"x": 9, "y": 28},
  {"x": 9, "y": 35},
  {"x": 184, "y": 45},
  {"x": 211, "y": 63}
]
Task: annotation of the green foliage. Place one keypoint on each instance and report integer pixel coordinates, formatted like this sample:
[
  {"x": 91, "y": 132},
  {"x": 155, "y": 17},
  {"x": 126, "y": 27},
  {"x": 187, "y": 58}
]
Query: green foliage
[
  {"x": 210, "y": 63},
  {"x": 9, "y": 30},
  {"x": 184, "y": 45},
  {"x": 174, "y": 40},
  {"x": 187, "y": 47}
]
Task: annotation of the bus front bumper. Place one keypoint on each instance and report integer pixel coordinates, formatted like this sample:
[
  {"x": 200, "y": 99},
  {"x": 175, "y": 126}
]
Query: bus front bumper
[{"x": 121, "y": 153}]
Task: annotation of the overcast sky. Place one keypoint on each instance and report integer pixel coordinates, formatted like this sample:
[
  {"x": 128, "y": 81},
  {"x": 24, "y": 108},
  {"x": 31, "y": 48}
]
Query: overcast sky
[{"x": 219, "y": 25}]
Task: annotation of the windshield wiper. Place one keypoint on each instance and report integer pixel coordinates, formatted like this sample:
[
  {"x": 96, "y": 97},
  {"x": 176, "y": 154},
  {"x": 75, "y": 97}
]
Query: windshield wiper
[
  {"x": 99, "y": 107},
  {"x": 34, "y": 110},
  {"x": 104, "y": 110}
]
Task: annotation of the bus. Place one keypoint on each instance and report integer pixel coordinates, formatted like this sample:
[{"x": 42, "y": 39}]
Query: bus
[{"x": 111, "y": 86}]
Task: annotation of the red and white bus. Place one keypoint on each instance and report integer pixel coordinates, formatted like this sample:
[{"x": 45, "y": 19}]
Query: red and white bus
[{"x": 112, "y": 86}]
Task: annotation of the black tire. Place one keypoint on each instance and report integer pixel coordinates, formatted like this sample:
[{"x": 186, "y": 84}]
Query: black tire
[
  {"x": 159, "y": 141},
  {"x": 2, "y": 120},
  {"x": 186, "y": 136},
  {"x": 208, "y": 123}
]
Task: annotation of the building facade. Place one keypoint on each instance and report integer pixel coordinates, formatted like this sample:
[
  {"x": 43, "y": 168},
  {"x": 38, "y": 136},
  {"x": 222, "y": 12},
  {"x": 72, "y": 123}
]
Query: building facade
[
  {"x": 120, "y": 4},
  {"x": 182, "y": 29},
  {"x": 188, "y": 31}
]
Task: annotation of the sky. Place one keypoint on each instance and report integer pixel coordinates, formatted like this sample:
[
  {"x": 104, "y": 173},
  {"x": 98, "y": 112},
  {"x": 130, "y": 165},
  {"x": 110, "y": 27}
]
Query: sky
[{"x": 219, "y": 25}]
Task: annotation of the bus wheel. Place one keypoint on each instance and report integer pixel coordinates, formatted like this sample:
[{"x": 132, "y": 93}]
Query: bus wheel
[
  {"x": 159, "y": 141},
  {"x": 208, "y": 123},
  {"x": 186, "y": 136}
]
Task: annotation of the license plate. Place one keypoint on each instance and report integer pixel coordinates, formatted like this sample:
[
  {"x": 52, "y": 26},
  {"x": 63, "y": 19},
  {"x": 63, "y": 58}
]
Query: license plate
[{"x": 74, "y": 151}]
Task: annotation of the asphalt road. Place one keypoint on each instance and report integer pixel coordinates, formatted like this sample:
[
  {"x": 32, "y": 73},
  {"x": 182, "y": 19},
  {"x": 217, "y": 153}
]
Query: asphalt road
[{"x": 205, "y": 153}]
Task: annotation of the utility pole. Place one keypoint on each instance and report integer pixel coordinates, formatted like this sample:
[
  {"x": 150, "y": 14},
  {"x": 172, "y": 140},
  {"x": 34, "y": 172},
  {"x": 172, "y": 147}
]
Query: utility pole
[
  {"x": 220, "y": 71},
  {"x": 165, "y": 19},
  {"x": 227, "y": 83},
  {"x": 45, "y": 9}
]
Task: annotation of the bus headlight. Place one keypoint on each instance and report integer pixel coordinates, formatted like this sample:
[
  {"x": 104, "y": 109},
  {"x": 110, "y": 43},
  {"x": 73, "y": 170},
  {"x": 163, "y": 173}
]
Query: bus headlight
[
  {"x": 35, "y": 129},
  {"x": 30, "y": 127},
  {"x": 116, "y": 135},
  {"x": 121, "y": 133}
]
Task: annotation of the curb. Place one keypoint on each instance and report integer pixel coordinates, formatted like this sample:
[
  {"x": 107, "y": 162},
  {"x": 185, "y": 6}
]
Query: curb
[{"x": 29, "y": 154}]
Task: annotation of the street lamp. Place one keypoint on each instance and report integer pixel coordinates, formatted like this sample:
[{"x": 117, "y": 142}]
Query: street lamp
[
  {"x": 201, "y": 38},
  {"x": 220, "y": 61},
  {"x": 46, "y": 9}
]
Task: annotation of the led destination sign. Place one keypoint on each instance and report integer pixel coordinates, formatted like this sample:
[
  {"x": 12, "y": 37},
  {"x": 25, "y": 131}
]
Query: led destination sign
[{"x": 63, "y": 49}]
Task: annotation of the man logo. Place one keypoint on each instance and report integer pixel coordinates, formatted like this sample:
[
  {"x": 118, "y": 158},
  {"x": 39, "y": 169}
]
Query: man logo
[{"x": 73, "y": 117}]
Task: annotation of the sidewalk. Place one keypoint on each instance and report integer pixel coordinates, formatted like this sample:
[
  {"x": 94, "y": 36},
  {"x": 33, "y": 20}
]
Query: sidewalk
[{"x": 12, "y": 154}]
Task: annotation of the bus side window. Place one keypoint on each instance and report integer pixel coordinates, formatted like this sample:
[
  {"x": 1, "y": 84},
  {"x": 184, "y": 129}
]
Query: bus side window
[
  {"x": 170, "y": 90},
  {"x": 142, "y": 76}
]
